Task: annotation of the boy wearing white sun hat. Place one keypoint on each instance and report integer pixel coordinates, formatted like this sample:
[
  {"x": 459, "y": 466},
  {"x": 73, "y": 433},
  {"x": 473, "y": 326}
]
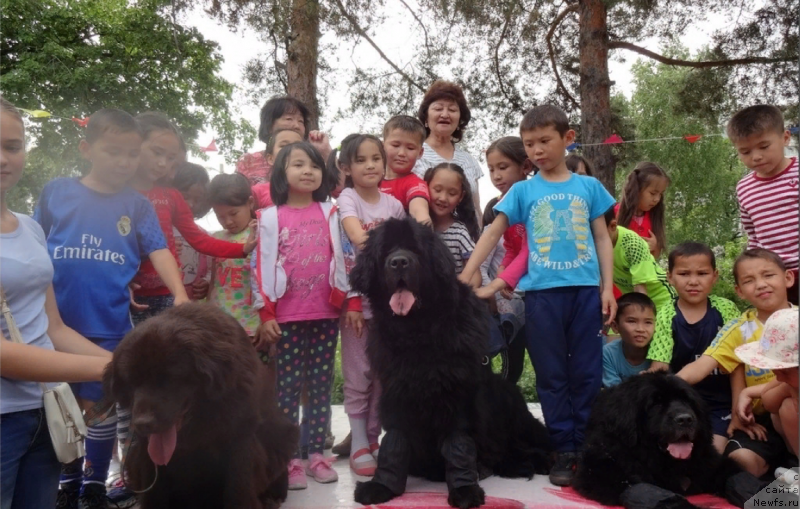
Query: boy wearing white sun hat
[{"x": 778, "y": 350}]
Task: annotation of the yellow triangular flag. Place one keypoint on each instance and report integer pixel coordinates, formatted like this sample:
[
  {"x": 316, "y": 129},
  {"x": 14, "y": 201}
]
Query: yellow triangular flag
[{"x": 36, "y": 113}]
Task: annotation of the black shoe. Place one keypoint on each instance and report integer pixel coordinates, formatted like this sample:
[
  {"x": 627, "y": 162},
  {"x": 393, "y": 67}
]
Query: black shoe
[
  {"x": 343, "y": 447},
  {"x": 68, "y": 498},
  {"x": 94, "y": 497},
  {"x": 563, "y": 471}
]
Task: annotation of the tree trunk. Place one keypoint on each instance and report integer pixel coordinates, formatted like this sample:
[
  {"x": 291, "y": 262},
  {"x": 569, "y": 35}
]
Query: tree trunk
[
  {"x": 595, "y": 89},
  {"x": 302, "y": 53}
]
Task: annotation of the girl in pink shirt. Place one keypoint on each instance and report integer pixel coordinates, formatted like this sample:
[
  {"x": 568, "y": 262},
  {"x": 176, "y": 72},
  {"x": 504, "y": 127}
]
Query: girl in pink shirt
[
  {"x": 301, "y": 284},
  {"x": 362, "y": 207}
]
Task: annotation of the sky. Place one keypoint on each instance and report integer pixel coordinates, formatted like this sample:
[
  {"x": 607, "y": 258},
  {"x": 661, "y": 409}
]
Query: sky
[{"x": 396, "y": 41}]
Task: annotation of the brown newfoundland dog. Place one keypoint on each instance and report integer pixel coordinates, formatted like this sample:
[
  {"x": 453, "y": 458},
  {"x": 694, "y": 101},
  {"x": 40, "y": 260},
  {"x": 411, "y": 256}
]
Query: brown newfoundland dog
[{"x": 207, "y": 432}]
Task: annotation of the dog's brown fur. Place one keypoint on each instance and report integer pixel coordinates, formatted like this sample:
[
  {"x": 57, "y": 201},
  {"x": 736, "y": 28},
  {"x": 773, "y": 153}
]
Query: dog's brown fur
[{"x": 194, "y": 365}]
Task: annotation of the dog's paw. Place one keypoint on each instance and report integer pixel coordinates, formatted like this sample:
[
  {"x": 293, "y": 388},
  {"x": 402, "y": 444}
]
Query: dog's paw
[
  {"x": 371, "y": 492},
  {"x": 466, "y": 497}
]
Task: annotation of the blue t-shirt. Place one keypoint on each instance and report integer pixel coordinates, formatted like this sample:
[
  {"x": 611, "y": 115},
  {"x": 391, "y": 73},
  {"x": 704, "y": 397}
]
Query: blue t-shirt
[
  {"x": 25, "y": 276},
  {"x": 616, "y": 367},
  {"x": 96, "y": 242},
  {"x": 557, "y": 218}
]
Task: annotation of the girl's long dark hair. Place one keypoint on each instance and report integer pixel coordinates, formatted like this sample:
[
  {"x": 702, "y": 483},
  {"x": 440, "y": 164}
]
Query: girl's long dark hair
[
  {"x": 350, "y": 150},
  {"x": 279, "y": 185},
  {"x": 231, "y": 189},
  {"x": 638, "y": 180},
  {"x": 465, "y": 210}
]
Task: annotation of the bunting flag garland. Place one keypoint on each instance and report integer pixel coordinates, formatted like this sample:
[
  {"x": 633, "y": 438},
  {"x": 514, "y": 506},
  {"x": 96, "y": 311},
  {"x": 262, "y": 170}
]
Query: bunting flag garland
[
  {"x": 613, "y": 139},
  {"x": 83, "y": 122},
  {"x": 691, "y": 138},
  {"x": 794, "y": 130},
  {"x": 212, "y": 147},
  {"x": 36, "y": 113}
]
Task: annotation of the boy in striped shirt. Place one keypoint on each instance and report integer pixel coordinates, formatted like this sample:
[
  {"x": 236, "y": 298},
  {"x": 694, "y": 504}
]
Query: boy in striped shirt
[{"x": 768, "y": 195}]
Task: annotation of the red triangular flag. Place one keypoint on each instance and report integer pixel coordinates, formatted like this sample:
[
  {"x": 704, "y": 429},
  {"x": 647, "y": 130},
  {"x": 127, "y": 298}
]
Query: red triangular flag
[
  {"x": 81, "y": 121},
  {"x": 691, "y": 138},
  {"x": 614, "y": 138},
  {"x": 212, "y": 147}
]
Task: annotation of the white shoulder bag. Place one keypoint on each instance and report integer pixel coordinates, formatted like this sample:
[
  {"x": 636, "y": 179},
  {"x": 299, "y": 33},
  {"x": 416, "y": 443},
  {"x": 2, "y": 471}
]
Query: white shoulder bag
[{"x": 64, "y": 416}]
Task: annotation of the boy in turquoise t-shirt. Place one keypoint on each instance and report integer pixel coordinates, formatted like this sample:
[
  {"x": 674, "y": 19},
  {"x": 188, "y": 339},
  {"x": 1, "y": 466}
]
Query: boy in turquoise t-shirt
[{"x": 569, "y": 250}]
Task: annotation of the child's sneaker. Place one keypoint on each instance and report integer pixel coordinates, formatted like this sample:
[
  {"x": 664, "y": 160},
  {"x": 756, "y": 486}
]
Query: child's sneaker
[
  {"x": 120, "y": 495},
  {"x": 94, "y": 497},
  {"x": 363, "y": 467},
  {"x": 68, "y": 498},
  {"x": 297, "y": 475},
  {"x": 319, "y": 467},
  {"x": 563, "y": 471}
]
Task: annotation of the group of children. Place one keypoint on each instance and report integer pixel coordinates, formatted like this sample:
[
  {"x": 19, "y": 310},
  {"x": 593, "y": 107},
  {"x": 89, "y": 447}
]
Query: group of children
[{"x": 583, "y": 264}]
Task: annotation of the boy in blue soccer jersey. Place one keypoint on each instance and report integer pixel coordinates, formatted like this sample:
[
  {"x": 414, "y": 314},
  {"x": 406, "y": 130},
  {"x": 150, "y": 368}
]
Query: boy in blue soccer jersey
[
  {"x": 98, "y": 231},
  {"x": 569, "y": 251}
]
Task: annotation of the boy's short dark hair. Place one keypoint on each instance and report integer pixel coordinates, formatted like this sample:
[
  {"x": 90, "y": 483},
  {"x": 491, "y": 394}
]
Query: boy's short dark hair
[
  {"x": 407, "y": 124},
  {"x": 110, "y": 120},
  {"x": 610, "y": 215},
  {"x": 687, "y": 249},
  {"x": 634, "y": 299},
  {"x": 755, "y": 120},
  {"x": 546, "y": 115},
  {"x": 756, "y": 254}
]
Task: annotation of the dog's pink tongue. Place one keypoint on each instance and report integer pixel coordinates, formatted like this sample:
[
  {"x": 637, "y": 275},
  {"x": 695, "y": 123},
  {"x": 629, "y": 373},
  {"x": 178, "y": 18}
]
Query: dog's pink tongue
[
  {"x": 680, "y": 450},
  {"x": 401, "y": 302},
  {"x": 162, "y": 445}
]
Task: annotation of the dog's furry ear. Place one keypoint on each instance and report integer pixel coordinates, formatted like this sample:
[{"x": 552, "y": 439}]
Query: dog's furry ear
[{"x": 366, "y": 270}]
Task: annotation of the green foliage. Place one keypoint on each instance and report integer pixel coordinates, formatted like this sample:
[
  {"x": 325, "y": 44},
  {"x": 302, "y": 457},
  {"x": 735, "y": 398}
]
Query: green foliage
[
  {"x": 725, "y": 258},
  {"x": 701, "y": 201},
  {"x": 73, "y": 57}
]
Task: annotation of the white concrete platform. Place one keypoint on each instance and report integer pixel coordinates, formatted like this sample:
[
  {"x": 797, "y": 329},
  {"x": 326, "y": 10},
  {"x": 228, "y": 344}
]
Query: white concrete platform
[{"x": 420, "y": 493}]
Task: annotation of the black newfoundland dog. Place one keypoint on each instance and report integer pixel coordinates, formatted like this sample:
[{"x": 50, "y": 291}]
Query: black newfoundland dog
[
  {"x": 446, "y": 416},
  {"x": 207, "y": 430},
  {"x": 649, "y": 442}
]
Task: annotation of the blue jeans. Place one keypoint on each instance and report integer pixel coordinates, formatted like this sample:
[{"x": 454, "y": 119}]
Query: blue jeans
[{"x": 29, "y": 469}]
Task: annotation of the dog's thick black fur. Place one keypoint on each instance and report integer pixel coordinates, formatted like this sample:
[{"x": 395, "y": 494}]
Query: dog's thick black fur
[
  {"x": 628, "y": 457},
  {"x": 446, "y": 415},
  {"x": 193, "y": 371}
]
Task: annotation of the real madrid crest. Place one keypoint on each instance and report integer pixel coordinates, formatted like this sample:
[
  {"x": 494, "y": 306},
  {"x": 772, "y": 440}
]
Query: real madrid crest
[{"x": 124, "y": 226}]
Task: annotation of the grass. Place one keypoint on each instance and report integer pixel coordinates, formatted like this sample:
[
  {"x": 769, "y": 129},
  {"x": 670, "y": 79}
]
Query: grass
[{"x": 527, "y": 382}]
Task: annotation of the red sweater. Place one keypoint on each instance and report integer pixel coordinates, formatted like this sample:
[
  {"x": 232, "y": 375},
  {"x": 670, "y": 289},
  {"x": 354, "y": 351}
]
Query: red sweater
[
  {"x": 513, "y": 238},
  {"x": 172, "y": 210}
]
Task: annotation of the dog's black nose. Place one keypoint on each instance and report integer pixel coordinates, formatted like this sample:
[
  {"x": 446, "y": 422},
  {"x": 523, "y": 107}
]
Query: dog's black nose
[
  {"x": 684, "y": 419},
  {"x": 399, "y": 261}
]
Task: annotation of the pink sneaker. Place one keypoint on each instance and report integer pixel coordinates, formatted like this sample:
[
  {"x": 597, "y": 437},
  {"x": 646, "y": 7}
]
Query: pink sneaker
[
  {"x": 297, "y": 475},
  {"x": 319, "y": 467}
]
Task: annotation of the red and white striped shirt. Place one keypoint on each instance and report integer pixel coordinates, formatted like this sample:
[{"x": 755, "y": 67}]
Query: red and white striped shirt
[{"x": 770, "y": 214}]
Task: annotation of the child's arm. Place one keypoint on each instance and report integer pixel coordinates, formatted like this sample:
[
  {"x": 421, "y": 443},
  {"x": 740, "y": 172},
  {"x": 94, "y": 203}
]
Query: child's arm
[
  {"x": 183, "y": 220},
  {"x": 513, "y": 246},
  {"x": 754, "y": 430},
  {"x": 518, "y": 267},
  {"x": 610, "y": 375},
  {"x": 696, "y": 371},
  {"x": 356, "y": 234},
  {"x": 605, "y": 256},
  {"x": 773, "y": 395},
  {"x": 486, "y": 243},
  {"x": 662, "y": 344},
  {"x": 170, "y": 274},
  {"x": 28, "y": 362},
  {"x": 744, "y": 407},
  {"x": 486, "y": 292},
  {"x": 419, "y": 210},
  {"x": 747, "y": 225}
]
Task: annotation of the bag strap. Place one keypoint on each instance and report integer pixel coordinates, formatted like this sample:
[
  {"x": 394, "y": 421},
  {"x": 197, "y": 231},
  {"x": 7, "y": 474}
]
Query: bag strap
[{"x": 13, "y": 330}]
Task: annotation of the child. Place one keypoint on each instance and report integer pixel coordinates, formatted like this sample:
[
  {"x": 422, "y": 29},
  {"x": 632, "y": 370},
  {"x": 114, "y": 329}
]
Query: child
[
  {"x": 569, "y": 250},
  {"x": 301, "y": 286},
  {"x": 453, "y": 213},
  {"x": 98, "y": 232},
  {"x": 580, "y": 165},
  {"x": 761, "y": 279},
  {"x": 642, "y": 206},
  {"x": 279, "y": 139},
  {"x": 635, "y": 269},
  {"x": 232, "y": 201},
  {"x": 403, "y": 137},
  {"x": 192, "y": 181},
  {"x": 777, "y": 351},
  {"x": 362, "y": 207},
  {"x": 160, "y": 150},
  {"x": 627, "y": 356},
  {"x": 767, "y": 195},
  {"x": 279, "y": 113},
  {"x": 686, "y": 328}
]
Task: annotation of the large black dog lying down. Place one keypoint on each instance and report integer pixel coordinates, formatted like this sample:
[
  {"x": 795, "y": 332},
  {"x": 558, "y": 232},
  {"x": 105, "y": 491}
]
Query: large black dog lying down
[
  {"x": 203, "y": 410},
  {"x": 446, "y": 416},
  {"x": 649, "y": 442}
]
